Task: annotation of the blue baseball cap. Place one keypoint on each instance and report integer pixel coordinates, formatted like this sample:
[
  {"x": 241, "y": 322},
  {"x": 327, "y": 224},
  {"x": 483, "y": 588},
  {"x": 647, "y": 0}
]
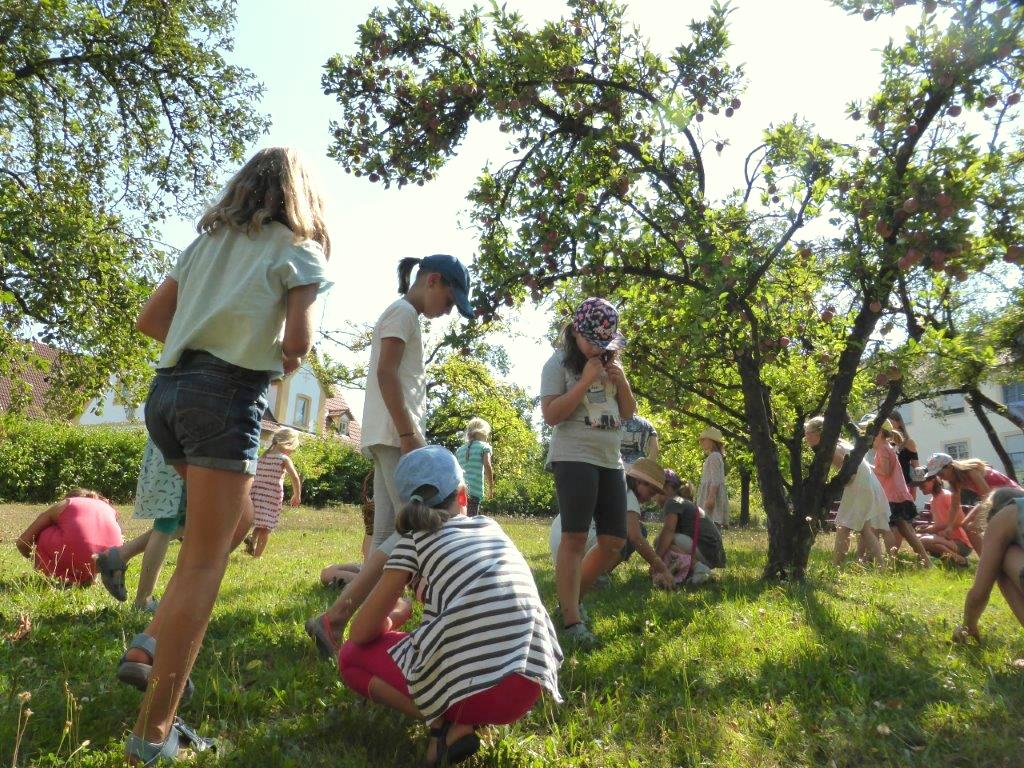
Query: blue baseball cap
[
  {"x": 455, "y": 272},
  {"x": 432, "y": 465}
]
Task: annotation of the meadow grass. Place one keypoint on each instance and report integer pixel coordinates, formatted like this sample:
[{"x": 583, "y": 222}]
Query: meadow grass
[{"x": 852, "y": 668}]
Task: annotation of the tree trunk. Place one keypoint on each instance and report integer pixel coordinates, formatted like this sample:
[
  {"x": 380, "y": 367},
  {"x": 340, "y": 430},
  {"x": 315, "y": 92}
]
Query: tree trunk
[
  {"x": 789, "y": 541},
  {"x": 974, "y": 398},
  {"x": 744, "y": 497}
]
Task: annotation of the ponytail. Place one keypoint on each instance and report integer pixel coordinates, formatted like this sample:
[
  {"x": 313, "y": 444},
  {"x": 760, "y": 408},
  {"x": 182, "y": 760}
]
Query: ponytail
[
  {"x": 405, "y": 267},
  {"x": 417, "y": 516}
]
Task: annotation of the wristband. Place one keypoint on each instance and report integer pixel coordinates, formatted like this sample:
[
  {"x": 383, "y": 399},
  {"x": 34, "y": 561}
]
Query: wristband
[{"x": 407, "y": 434}]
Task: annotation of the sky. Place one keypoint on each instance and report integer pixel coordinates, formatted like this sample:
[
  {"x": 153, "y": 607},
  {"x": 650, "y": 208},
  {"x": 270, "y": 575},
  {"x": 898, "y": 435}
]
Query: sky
[{"x": 802, "y": 57}]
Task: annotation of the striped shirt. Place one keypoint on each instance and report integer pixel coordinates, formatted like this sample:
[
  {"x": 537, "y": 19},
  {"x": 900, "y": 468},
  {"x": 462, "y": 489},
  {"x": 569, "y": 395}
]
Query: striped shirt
[
  {"x": 482, "y": 617},
  {"x": 471, "y": 457},
  {"x": 267, "y": 492}
]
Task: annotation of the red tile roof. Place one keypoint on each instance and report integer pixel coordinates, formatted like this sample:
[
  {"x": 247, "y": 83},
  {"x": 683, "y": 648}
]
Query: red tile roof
[
  {"x": 38, "y": 381},
  {"x": 336, "y": 406}
]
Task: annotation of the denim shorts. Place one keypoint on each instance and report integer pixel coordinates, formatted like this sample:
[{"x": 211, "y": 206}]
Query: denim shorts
[{"x": 206, "y": 412}]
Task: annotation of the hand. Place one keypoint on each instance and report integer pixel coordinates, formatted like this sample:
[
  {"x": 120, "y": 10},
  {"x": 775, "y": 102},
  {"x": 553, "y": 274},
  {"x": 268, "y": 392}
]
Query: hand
[
  {"x": 592, "y": 370},
  {"x": 664, "y": 580},
  {"x": 616, "y": 372},
  {"x": 290, "y": 363},
  {"x": 296, "y": 499},
  {"x": 410, "y": 443},
  {"x": 24, "y": 547}
]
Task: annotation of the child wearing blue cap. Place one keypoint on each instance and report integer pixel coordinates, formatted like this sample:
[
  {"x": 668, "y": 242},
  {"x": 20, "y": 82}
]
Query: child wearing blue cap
[
  {"x": 393, "y": 414},
  {"x": 485, "y": 648}
]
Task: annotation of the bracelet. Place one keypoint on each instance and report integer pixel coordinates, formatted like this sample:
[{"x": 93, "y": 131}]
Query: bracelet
[{"x": 407, "y": 434}]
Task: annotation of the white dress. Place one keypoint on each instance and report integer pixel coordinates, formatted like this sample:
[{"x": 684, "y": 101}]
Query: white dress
[
  {"x": 713, "y": 473},
  {"x": 863, "y": 501}
]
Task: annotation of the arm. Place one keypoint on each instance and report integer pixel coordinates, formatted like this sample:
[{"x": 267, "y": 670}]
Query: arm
[
  {"x": 391, "y": 351},
  {"x": 557, "y": 408},
  {"x": 155, "y": 319},
  {"x": 295, "y": 480},
  {"x": 47, "y": 518},
  {"x": 298, "y": 325},
  {"x": 668, "y": 531},
  {"x": 660, "y": 572},
  {"x": 998, "y": 537},
  {"x": 652, "y": 447},
  {"x": 488, "y": 476},
  {"x": 978, "y": 477},
  {"x": 374, "y": 617}
]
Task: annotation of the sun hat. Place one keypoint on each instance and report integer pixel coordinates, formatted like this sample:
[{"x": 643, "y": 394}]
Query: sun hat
[
  {"x": 712, "y": 433},
  {"x": 597, "y": 321},
  {"x": 647, "y": 470},
  {"x": 937, "y": 463},
  {"x": 455, "y": 272},
  {"x": 869, "y": 418},
  {"x": 432, "y": 465}
]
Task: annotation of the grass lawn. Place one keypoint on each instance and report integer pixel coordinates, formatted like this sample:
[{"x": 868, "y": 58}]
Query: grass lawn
[{"x": 851, "y": 669}]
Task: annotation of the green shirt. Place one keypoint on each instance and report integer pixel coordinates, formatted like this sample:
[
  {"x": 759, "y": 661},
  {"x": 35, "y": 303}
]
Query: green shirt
[
  {"x": 232, "y": 290},
  {"x": 471, "y": 457}
]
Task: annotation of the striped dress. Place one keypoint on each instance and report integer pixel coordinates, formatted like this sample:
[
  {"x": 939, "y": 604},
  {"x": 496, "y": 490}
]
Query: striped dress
[
  {"x": 471, "y": 458},
  {"x": 482, "y": 618},
  {"x": 267, "y": 491}
]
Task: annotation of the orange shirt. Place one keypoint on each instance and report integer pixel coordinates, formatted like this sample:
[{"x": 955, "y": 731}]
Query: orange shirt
[{"x": 942, "y": 512}]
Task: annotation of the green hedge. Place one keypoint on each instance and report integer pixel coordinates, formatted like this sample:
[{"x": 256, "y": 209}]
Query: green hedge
[
  {"x": 332, "y": 471},
  {"x": 533, "y": 494},
  {"x": 42, "y": 460}
]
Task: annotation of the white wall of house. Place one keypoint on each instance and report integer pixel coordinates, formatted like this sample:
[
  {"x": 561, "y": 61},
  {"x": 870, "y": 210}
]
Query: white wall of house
[
  {"x": 958, "y": 433},
  {"x": 107, "y": 410},
  {"x": 303, "y": 397}
]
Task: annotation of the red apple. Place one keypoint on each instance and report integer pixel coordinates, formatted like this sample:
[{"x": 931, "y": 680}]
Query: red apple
[
  {"x": 875, "y": 306},
  {"x": 910, "y": 205},
  {"x": 1013, "y": 98},
  {"x": 943, "y": 200},
  {"x": 954, "y": 111},
  {"x": 869, "y": 14},
  {"x": 881, "y": 380},
  {"x": 991, "y": 100}
]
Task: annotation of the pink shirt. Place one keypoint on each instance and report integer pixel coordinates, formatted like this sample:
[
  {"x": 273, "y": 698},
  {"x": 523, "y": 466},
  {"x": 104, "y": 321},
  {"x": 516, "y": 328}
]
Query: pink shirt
[
  {"x": 890, "y": 474},
  {"x": 84, "y": 528},
  {"x": 994, "y": 480},
  {"x": 942, "y": 512}
]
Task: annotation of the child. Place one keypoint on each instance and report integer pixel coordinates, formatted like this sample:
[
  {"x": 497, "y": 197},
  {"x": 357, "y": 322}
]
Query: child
[
  {"x": 255, "y": 269},
  {"x": 906, "y": 451},
  {"x": 1002, "y": 560},
  {"x": 584, "y": 396},
  {"x": 475, "y": 458},
  {"x": 676, "y": 535},
  {"x": 863, "y": 507},
  {"x": 945, "y": 536},
  {"x": 902, "y": 509},
  {"x": 160, "y": 497},
  {"x": 486, "y": 647},
  {"x": 639, "y": 439},
  {"x": 712, "y": 495},
  {"x": 393, "y": 415},
  {"x": 267, "y": 492},
  {"x": 69, "y": 534},
  {"x": 974, "y": 475}
]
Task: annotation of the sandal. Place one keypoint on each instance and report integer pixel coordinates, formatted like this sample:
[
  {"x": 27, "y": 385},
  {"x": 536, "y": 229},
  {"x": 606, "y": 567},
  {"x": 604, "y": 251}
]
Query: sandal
[
  {"x": 180, "y": 736},
  {"x": 454, "y": 753},
  {"x": 136, "y": 673},
  {"x": 111, "y": 569},
  {"x": 319, "y": 629}
]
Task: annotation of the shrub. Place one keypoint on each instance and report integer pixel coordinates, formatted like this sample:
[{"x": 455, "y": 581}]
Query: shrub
[
  {"x": 530, "y": 494},
  {"x": 332, "y": 471},
  {"x": 42, "y": 460}
]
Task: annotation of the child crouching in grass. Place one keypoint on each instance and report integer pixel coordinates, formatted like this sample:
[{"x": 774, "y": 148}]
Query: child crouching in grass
[{"x": 486, "y": 647}]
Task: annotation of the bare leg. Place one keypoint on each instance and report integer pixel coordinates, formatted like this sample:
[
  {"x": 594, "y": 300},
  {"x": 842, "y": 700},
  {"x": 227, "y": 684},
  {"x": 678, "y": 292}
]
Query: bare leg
[
  {"x": 367, "y": 543},
  {"x": 892, "y": 544},
  {"x": 152, "y": 561},
  {"x": 869, "y": 537},
  {"x": 568, "y": 573},
  {"x": 976, "y": 540},
  {"x": 842, "y": 544},
  {"x": 355, "y": 592},
  {"x": 910, "y": 535},
  {"x": 135, "y": 547},
  {"x": 216, "y": 500},
  {"x": 1009, "y": 582},
  {"x": 259, "y": 538},
  {"x": 600, "y": 559}
]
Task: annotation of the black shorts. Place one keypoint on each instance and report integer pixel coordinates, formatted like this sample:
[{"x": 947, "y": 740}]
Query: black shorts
[
  {"x": 628, "y": 549},
  {"x": 588, "y": 492},
  {"x": 901, "y": 510}
]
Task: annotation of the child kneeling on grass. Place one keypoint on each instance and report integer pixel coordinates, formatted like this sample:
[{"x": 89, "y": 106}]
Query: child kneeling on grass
[{"x": 485, "y": 648}]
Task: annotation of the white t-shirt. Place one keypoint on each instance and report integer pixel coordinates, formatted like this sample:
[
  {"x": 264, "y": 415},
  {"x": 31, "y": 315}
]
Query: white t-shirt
[{"x": 399, "y": 321}]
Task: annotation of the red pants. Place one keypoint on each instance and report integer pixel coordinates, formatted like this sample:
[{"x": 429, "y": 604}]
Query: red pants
[{"x": 505, "y": 703}]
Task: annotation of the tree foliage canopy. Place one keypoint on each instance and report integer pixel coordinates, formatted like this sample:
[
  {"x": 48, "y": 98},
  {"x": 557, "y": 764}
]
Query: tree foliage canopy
[{"x": 112, "y": 115}]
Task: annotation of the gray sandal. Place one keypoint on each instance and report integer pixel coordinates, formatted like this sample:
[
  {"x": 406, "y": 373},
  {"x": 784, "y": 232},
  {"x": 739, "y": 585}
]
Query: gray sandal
[
  {"x": 136, "y": 673},
  {"x": 319, "y": 629},
  {"x": 149, "y": 753},
  {"x": 111, "y": 568}
]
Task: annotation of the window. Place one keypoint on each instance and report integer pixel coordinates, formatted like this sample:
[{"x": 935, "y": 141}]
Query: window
[
  {"x": 950, "y": 404},
  {"x": 1013, "y": 396},
  {"x": 343, "y": 424},
  {"x": 1014, "y": 445},
  {"x": 302, "y": 409},
  {"x": 957, "y": 450}
]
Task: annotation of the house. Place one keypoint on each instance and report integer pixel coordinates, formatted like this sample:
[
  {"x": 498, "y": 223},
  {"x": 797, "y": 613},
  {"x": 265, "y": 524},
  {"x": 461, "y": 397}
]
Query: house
[
  {"x": 298, "y": 401},
  {"x": 950, "y": 426}
]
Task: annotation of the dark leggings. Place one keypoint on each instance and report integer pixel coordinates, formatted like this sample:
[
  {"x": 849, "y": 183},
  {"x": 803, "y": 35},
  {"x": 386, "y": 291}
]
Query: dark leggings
[{"x": 588, "y": 492}]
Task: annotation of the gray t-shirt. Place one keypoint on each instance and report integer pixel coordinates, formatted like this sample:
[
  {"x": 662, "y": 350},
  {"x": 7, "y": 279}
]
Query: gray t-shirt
[{"x": 592, "y": 432}]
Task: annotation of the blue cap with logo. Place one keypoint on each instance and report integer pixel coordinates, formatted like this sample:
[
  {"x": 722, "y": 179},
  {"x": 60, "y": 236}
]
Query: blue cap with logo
[
  {"x": 457, "y": 276},
  {"x": 432, "y": 465}
]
